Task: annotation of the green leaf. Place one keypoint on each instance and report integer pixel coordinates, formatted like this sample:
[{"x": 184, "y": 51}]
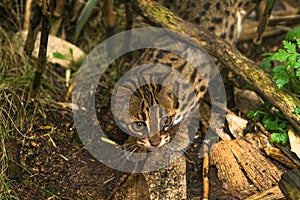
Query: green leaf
[
  {"x": 71, "y": 51},
  {"x": 281, "y": 76},
  {"x": 83, "y": 17},
  {"x": 298, "y": 72},
  {"x": 297, "y": 64},
  {"x": 251, "y": 114},
  {"x": 59, "y": 55},
  {"x": 290, "y": 47},
  {"x": 283, "y": 125},
  {"x": 267, "y": 54},
  {"x": 275, "y": 138},
  {"x": 291, "y": 61},
  {"x": 284, "y": 138},
  {"x": 266, "y": 63},
  {"x": 279, "y": 138},
  {"x": 278, "y": 69},
  {"x": 293, "y": 34},
  {"x": 270, "y": 122},
  {"x": 281, "y": 55},
  {"x": 297, "y": 110},
  {"x": 281, "y": 80},
  {"x": 255, "y": 114}
]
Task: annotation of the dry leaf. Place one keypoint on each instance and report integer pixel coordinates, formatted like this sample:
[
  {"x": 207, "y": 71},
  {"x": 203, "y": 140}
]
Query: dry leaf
[
  {"x": 294, "y": 142},
  {"x": 236, "y": 125}
]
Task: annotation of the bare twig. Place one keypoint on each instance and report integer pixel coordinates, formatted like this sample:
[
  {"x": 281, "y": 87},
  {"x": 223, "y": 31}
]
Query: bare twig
[
  {"x": 109, "y": 18},
  {"x": 47, "y": 6},
  {"x": 261, "y": 27},
  {"x": 57, "y": 17},
  {"x": 27, "y": 14},
  {"x": 205, "y": 168},
  {"x": 32, "y": 32},
  {"x": 129, "y": 16}
]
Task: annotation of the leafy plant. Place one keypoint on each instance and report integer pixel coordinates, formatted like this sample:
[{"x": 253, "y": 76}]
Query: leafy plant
[
  {"x": 65, "y": 57},
  {"x": 287, "y": 73},
  {"x": 293, "y": 34},
  {"x": 273, "y": 121},
  {"x": 297, "y": 110}
]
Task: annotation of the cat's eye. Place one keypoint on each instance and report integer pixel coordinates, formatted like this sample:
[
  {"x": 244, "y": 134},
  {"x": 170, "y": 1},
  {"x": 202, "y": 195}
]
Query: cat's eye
[
  {"x": 166, "y": 121},
  {"x": 138, "y": 126}
]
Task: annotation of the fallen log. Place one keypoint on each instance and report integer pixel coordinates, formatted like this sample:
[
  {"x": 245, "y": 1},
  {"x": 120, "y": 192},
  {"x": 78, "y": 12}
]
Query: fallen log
[{"x": 290, "y": 184}]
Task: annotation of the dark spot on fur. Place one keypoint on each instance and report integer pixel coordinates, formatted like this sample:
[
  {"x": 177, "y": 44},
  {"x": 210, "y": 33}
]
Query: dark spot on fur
[
  {"x": 177, "y": 104},
  {"x": 227, "y": 12},
  {"x": 181, "y": 67},
  {"x": 185, "y": 17},
  {"x": 198, "y": 20},
  {"x": 191, "y": 4},
  {"x": 217, "y": 20},
  {"x": 181, "y": 13},
  {"x": 212, "y": 28},
  {"x": 167, "y": 64},
  {"x": 193, "y": 76},
  {"x": 203, "y": 13},
  {"x": 202, "y": 88},
  {"x": 160, "y": 54},
  {"x": 207, "y": 5},
  {"x": 232, "y": 28},
  {"x": 223, "y": 35},
  {"x": 218, "y": 6}
]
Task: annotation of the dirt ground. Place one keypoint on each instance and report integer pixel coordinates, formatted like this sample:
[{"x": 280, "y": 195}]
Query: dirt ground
[{"x": 57, "y": 166}]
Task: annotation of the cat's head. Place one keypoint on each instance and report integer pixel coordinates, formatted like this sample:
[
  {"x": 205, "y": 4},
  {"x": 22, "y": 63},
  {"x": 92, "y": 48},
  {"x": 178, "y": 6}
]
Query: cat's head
[{"x": 153, "y": 110}]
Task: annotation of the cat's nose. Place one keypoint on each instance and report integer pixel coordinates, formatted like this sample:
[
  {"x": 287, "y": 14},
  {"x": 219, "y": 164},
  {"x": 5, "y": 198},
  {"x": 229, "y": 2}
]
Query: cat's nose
[{"x": 154, "y": 141}]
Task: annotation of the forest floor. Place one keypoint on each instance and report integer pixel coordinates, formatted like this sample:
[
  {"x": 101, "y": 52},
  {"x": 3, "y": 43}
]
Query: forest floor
[{"x": 57, "y": 166}]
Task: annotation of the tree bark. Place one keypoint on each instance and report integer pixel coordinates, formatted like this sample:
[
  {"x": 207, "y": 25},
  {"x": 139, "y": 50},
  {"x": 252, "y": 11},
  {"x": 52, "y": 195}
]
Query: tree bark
[{"x": 225, "y": 53}]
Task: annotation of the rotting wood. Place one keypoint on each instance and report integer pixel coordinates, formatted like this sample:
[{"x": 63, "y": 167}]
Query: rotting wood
[
  {"x": 290, "y": 184},
  {"x": 162, "y": 184},
  {"x": 229, "y": 172},
  {"x": 278, "y": 155},
  {"x": 169, "y": 182},
  {"x": 131, "y": 186},
  {"x": 259, "y": 170},
  {"x": 230, "y": 156},
  {"x": 270, "y": 194}
]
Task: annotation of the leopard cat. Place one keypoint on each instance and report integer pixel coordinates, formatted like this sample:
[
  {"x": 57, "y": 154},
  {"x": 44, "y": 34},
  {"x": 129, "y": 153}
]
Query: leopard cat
[{"x": 155, "y": 111}]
